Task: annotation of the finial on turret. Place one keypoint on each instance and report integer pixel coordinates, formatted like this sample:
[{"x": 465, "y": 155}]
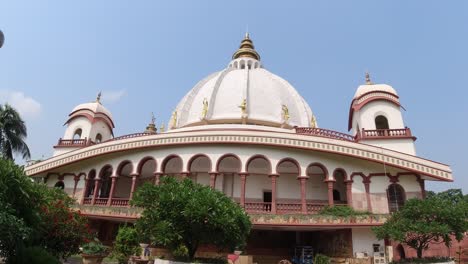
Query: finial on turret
[
  {"x": 98, "y": 98},
  {"x": 368, "y": 80},
  {"x": 151, "y": 128}
]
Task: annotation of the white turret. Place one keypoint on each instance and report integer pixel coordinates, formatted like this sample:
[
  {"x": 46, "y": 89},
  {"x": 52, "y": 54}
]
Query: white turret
[
  {"x": 88, "y": 124},
  {"x": 375, "y": 118}
]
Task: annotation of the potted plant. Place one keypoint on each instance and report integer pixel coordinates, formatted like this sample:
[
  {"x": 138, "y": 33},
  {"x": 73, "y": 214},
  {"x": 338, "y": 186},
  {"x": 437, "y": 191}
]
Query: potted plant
[
  {"x": 126, "y": 244},
  {"x": 93, "y": 252}
]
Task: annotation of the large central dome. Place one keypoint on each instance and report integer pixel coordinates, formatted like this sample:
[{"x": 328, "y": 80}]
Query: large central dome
[{"x": 243, "y": 93}]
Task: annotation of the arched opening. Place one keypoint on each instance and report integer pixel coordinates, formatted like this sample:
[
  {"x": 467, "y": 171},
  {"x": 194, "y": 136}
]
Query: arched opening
[
  {"x": 401, "y": 251},
  {"x": 105, "y": 174},
  {"x": 229, "y": 167},
  {"x": 396, "y": 197},
  {"x": 91, "y": 184},
  {"x": 259, "y": 187},
  {"x": 146, "y": 170},
  {"x": 98, "y": 138},
  {"x": 288, "y": 187},
  {"x": 317, "y": 188},
  {"x": 77, "y": 134},
  {"x": 339, "y": 187},
  {"x": 199, "y": 167},
  {"x": 173, "y": 166},
  {"x": 60, "y": 185},
  {"x": 242, "y": 64},
  {"x": 123, "y": 182},
  {"x": 381, "y": 122}
]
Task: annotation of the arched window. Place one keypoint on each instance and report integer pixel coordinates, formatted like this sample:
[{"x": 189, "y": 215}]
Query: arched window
[
  {"x": 60, "y": 185},
  {"x": 98, "y": 138},
  {"x": 77, "y": 134},
  {"x": 381, "y": 122},
  {"x": 396, "y": 197}
]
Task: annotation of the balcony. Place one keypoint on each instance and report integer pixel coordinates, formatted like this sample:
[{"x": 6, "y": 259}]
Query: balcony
[
  {"x": 74, "y": 143},
  {"x": 384, "y": 134}
]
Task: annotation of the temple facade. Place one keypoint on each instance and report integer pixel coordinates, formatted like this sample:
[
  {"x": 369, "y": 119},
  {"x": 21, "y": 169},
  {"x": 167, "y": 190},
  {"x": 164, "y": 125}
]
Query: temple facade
[{"x": 248, "y": 133}]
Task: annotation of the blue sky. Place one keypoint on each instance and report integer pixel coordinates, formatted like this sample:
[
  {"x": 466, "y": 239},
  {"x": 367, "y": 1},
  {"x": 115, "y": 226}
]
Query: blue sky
[{"x": 145, "y": 55}]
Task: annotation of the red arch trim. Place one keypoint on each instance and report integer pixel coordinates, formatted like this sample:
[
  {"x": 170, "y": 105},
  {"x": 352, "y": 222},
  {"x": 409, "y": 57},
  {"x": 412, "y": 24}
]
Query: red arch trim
[
  {"x": 142, "y": 162},
  {"x": 298, "y": 166},
  {"x": 229, "y": 155},
  {"x": 167, "y": 159},
  {"x": 258, "y": 156},
  {"x": 196, "y": 156}
]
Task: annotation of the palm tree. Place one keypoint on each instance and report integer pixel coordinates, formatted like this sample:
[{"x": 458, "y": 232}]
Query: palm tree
[{"x": 13, "y": 132}]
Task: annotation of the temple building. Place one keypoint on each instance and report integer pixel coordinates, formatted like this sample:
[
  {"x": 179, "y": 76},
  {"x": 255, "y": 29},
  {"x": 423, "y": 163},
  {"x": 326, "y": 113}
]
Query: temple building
[{"x": 248, "y": 133}]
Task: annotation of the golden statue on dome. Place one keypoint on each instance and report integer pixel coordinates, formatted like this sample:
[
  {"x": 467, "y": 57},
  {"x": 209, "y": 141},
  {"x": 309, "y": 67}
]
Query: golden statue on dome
[
  {"x": 243, "y": 107},
  {"x": 174, "y": 120},
  {"x": 205, "y": 109},
  {"x": 313, "y": 122},
  {"x": 285, "y": 110}
]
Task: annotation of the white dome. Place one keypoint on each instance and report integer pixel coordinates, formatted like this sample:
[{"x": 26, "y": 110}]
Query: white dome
[
  {"x": 95, "y": 107},
  {"x": 264, "y": 93},
  {"x": 367, "y": 88}
]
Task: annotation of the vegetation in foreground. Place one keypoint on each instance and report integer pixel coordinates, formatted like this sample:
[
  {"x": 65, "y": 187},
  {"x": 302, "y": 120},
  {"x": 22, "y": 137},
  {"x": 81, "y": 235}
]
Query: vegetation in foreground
[{"x": 182, "y": 215}]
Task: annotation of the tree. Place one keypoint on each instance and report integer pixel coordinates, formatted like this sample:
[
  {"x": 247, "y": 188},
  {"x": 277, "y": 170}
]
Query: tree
[
  {"x": 438, "y": 218},
  {"x": 126, "y": 244},
  {"x": 13, "y": 132},
  {"x": 184, "y": 213}
]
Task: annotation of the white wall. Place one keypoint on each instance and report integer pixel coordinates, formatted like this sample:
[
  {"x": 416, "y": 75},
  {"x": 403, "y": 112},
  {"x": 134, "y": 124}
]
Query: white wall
[{"x": 363, "y": 238}]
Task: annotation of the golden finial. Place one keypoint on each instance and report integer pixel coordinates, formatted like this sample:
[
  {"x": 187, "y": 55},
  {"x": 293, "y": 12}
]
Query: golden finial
[
  {"x": 285, "y": 110},
  {"x": 162, "y": 128},
  {"x": 204, "y": 109},
  {"x": 246, "y": 49},
  {"x": 174, "y": 120},
  {"x": 368, "y": 80},
  {"x": 243, "y": 106},
  {"x": 313, "y": 121},
  {"x": 151, "y": 128},
  {"x": 98, "y": 98}
]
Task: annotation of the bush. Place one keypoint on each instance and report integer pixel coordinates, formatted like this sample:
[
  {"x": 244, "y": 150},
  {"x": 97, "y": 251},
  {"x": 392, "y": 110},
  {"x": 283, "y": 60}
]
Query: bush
[
  {"x": 422, "y": 260},
  {"x": 321, "y": 259},
  {"x": 34, "y": 255},
  {"x": 94, "y": 248},
  {"x": 341, "y": 211},
  {"x": 126, "y": 244},
  {"x": 181, "y": 253}
]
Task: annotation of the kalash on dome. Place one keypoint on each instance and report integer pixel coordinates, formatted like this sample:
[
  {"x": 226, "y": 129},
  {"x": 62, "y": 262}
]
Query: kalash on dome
[{"x": 249, "y": 134}]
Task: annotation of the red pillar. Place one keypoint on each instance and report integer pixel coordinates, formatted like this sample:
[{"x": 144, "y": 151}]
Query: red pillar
[
  {"x": 85, "y": 190},
  {"x": 157, "y": 177},
  {"x": 349, "y": 193},
  {"x": 132, "y": 190},
  {"x": 112, "y": 190},
  {"x": 303, "y": 181},
  {"x": 77, "y": 179},
  {"x": 273, "y": 192},
  {"x": 97, "y": 183},
  {"x": 243, "y": 182},
  {"x": 367, "y": 182},
  {"x": 330, "y": 192},
  {"x": 213, "y": 176},
  {"x": 423, "y": 188}
]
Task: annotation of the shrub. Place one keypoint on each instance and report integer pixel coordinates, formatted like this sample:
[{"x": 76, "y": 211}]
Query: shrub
[
  {"x": 341, "y": 211},
  {"x": 321, "y": 259},
  {"x": 126, "y": 244},
  {"x": 34, "y": 255},
  {"x": 422, "y": 260},
  {"x": 94, "y": 248}
]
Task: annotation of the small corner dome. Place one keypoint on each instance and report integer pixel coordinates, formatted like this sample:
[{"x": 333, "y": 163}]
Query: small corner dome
[
  {"x": 93, "y": 111},
  {"x": 369, "y": 86},
  {"x": 243, "y": 93}
]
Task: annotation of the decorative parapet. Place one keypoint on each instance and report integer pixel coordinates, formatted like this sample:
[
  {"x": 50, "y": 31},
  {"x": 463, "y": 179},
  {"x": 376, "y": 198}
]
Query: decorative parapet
[{"x": 318, "y": 220}]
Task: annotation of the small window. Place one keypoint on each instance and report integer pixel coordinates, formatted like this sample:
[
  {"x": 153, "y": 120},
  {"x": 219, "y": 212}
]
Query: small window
[
  {"x": 77, "y": 134},
  {"x": 381, "y": 122},
  {"x": 98, "y": 138},
  {"x": 396, "y": 197}
]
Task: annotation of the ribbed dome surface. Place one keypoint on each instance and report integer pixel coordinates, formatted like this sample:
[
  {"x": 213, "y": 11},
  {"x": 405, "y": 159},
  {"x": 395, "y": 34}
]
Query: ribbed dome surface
[{"x": 95, "y": 107}]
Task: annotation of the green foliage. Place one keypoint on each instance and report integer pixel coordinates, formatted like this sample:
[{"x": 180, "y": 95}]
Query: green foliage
[
  {"x": 341, "y": 211},
  {"x": 34, "y": 255},
  {"x": 187, "y": 213},
  {"x": 437, "y": 218},
  {"x": 181, "y": 253},
  {"x": 422, "y": 260},
  {"x": 95, "y": 248},
  {"x": 321, "y": 259},
  {"x": 126, "y": 244},
  {"x": 34, "y": 215},
  {"x": 13, "y": 132}
]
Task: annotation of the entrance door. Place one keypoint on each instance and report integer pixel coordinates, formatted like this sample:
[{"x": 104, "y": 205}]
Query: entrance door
[{"x": 267, "y": 200}]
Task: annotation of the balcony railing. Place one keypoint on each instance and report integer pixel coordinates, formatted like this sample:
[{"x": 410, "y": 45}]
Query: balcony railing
[
  {"x": 122, "y": 202},
  {"x": 288, "y": 208},
  {"x": 384, "y": 134},
  {"x": 257, "y": 207},
  {"x": 101, "y": 201},
  {"x": 87, "y": 201},
  {"x": 74, "y": 143},
  {"x": 320, "y": 132}
]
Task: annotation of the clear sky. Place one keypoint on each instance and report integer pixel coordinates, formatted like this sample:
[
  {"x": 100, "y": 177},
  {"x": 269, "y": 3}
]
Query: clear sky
[{"x": 145, "y": 55}]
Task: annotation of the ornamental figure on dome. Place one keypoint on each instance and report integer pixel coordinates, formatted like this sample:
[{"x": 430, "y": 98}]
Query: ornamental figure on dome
[
  {"x": 243, "y": 107},
  {"x": 174, "y": 120},
  {"x": 313, "y": 122},
  {"x": 205, "y": 109},
  {"x": 285, "y": 110}
]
